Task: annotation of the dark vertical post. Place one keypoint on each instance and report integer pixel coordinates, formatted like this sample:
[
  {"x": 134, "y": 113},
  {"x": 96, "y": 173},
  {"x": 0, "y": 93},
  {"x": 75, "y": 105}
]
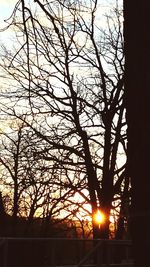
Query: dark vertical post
[{"x": 137, "y": 92}]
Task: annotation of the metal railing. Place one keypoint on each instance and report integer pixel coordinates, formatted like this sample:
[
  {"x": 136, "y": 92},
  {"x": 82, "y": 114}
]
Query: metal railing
[
  {"x": 51, "y": 252},
  {"x": 110, "y": 253}
]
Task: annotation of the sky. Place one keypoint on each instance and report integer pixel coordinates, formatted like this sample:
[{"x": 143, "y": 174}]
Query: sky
[{"x": 6, "y": 7}]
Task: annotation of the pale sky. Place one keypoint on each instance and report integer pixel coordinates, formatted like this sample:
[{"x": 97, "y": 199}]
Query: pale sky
[{"x": 6, "y": 7}]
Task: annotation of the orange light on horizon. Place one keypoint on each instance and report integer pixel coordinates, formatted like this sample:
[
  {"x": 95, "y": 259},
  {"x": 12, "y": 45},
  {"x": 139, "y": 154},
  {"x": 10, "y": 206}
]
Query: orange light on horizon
[{"x": 99, "y": 217}]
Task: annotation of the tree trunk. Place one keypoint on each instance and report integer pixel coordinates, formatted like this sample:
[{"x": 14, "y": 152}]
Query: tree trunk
[
  {"x": 137, "y": 89},
  {"x": 92, "y": 182}
]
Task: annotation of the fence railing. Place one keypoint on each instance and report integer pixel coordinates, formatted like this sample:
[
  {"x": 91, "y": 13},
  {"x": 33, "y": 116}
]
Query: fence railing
[{"x": 51, "y": 252}]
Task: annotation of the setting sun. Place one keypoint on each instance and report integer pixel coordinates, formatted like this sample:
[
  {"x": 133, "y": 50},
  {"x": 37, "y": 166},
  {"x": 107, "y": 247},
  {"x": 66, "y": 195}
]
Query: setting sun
[{"x": 99, "y": 217}]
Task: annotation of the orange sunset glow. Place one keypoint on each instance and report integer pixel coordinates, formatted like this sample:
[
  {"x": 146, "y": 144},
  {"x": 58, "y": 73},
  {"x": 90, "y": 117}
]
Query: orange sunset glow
[{"x": 99, "y": 217}]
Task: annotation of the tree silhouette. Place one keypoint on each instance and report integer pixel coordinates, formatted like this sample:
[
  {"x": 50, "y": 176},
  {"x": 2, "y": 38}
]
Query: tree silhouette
[{"x": 69, "y": 73}]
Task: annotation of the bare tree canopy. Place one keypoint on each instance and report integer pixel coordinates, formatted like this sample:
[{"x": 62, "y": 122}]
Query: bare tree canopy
[{"x": 67, "y": 67}]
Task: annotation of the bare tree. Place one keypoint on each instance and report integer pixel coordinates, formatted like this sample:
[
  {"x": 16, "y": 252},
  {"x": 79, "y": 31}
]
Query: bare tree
[
  {"x": 34, "y": 188},
  {"x": 69, "y": 70}
]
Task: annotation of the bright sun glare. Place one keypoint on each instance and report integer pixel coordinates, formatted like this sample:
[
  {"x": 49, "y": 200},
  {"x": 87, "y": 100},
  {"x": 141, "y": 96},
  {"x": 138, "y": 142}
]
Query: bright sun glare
[{"x": 99, "y": 217}]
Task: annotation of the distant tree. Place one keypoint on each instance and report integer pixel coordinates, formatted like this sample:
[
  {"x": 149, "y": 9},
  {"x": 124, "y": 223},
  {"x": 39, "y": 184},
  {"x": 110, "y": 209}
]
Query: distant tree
[
  {"x": 31, "y": 187},
  {"x": 69, "y": 73},
  {"x": 17, "y": 178},
  {"x": 137, "y": 90}
]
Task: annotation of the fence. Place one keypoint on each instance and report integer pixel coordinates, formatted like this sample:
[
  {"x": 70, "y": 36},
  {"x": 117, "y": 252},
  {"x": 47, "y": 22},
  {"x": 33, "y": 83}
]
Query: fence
[{"x": 49, "y": 252}]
